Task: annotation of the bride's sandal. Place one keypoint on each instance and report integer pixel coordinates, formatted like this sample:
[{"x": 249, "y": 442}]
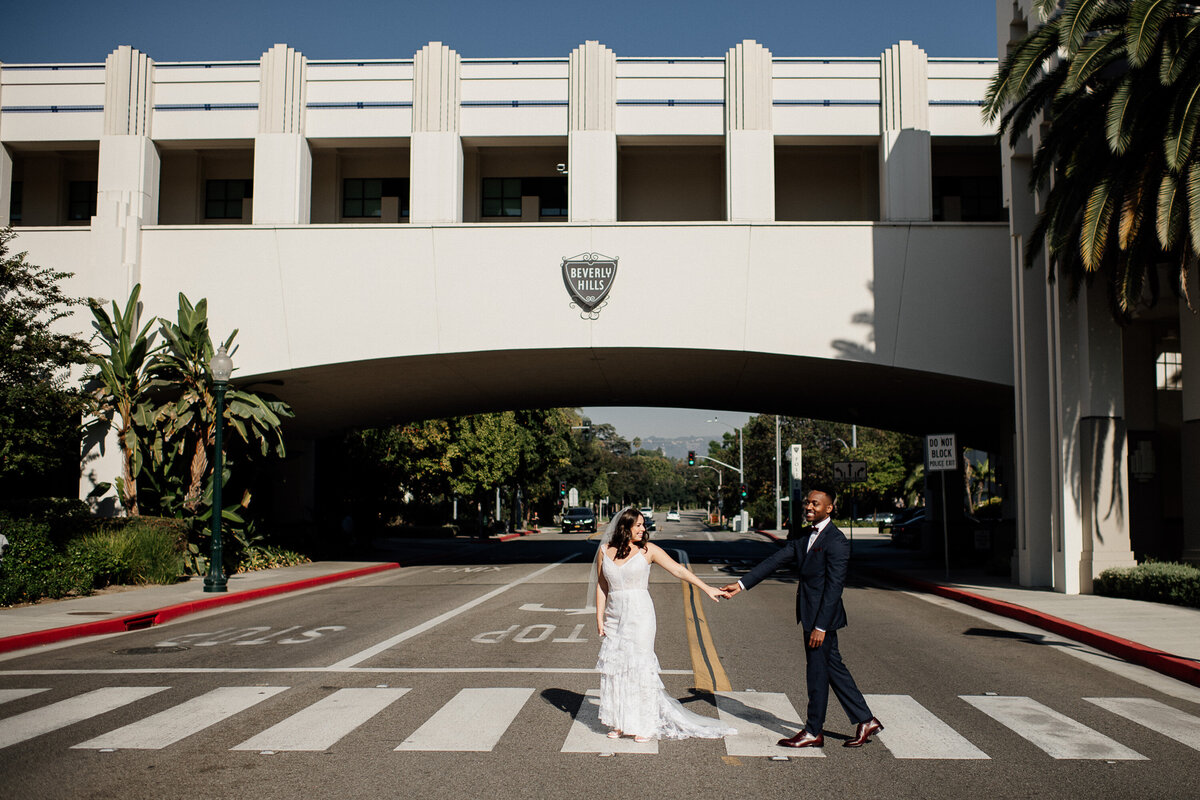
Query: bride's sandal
[
  {"x": 614, "y": 734},
  {"x": 641, "y": 739}
]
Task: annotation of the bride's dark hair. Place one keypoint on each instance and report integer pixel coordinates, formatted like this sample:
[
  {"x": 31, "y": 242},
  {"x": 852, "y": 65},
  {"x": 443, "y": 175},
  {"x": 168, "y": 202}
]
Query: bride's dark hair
[{"x": 622, "y": 537}]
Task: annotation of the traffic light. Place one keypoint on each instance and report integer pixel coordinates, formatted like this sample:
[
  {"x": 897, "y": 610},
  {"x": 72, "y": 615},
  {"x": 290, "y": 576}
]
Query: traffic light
[
  {"x": 743, "y": 491},
  {"x": 562, "y": 489},
  {"x": 691, "y": 458}
]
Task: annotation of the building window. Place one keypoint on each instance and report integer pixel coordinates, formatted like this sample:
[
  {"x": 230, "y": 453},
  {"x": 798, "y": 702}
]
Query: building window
[
  {"x": 363, "y": 197},
  {"x": 502, "y": 196},
  {"x": 16, "y": 202},
  {"x": 81, "y": 200},
  {"x": 223, "y": 198},
  {"x": 968, "y": 199},
  {"x": 1169, "y": 367}
]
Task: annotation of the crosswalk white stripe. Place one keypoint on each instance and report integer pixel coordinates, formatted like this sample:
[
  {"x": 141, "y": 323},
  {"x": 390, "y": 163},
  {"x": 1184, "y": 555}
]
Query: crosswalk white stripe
[
  {"x": 1168, "y": 721},
  {"x": 912, "y": 731},
  {"x": 588, "y": 735},
  {"x": 1057, "y": 735},
  {"x": 16, "y": 694},
  {"x": 473, "y": 721},
  {"x": 761, "y": 719},
  {"x": 67, "y": 712},
  {"x": 178, "y": 722},
  {"x": 322, "y": 724}
]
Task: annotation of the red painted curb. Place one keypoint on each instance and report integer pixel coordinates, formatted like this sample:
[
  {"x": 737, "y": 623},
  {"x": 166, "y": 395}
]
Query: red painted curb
[
  {"x": 1168, "y": 664},
  {"x": 146, "y": 619},
  {"x": 508, "y": 537}
]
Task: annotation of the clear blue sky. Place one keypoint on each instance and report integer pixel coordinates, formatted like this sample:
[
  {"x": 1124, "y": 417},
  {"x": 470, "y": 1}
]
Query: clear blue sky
[{"x": 224, "y": 30}]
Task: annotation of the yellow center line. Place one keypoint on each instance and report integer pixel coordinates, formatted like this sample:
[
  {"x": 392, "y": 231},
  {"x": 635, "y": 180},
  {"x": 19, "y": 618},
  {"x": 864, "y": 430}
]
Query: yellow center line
[{"x": 706, "y": 664}]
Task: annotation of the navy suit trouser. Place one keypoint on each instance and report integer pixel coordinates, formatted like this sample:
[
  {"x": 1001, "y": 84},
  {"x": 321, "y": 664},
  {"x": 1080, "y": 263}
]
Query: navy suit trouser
[{"x": 825, "y": 670}]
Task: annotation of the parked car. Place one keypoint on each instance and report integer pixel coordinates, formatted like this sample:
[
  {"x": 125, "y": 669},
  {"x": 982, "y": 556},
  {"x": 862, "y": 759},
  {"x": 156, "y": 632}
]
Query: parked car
[
  {"x": 648, "y": 517},
  {"x": 906, "y": 528},
  {"x": 579, "y": 519},
  {"x": 672, "y": 516}
]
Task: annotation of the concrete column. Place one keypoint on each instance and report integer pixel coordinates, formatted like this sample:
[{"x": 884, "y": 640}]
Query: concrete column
[
  {"x": 905, "y": 182},
  {"x": 749, "y": 138},
  {"x": 1189, "y": 346},
  {"x": 1033, "y": 448},
  {"x": 6, "y": 176},
  {"x": 436, "y": 175},
  {"x": 1092, "y": 479},
  {"x": 282, "y": 159},
  {"x": 6, "y": 166},
  {"x": 127, "y": 184},
  {"x": 592, "y": 134},
  {"x": 127, "y": 176}
]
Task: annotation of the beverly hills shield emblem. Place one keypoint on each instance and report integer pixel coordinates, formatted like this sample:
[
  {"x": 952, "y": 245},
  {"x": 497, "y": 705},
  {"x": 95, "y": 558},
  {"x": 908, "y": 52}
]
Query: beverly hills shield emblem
[{"x": 589, "y": 278}]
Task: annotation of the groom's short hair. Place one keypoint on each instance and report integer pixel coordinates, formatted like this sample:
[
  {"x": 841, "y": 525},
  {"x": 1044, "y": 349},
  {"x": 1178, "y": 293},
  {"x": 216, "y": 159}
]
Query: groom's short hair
[{"x": 829, "y": 493}]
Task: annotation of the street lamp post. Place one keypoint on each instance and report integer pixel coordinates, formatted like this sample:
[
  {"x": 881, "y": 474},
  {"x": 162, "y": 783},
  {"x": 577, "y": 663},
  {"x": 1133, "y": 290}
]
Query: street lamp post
[
  {"x": 741, "y": 468},
  {"x": 222, "y": 367}
]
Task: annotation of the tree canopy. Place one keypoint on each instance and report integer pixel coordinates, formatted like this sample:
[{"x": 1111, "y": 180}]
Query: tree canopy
[
  {"x": 39, "y": 405},
  {"x": 1113, "y": 88}
]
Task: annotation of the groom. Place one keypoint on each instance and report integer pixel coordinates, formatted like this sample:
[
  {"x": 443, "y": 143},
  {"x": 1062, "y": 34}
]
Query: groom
[{"x": 821, "y": 555}]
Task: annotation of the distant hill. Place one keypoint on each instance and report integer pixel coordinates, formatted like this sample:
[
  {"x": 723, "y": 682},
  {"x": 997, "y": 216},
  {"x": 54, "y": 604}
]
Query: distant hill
[{"x": 678, "y": 447}]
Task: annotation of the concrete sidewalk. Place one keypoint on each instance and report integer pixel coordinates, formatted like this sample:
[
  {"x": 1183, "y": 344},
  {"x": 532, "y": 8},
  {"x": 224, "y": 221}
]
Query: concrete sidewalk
[{"x": 132, "y": 608}]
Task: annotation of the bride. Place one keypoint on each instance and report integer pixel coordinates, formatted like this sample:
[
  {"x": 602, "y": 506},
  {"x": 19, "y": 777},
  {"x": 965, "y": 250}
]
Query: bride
[{"x": 633, "y": 701}]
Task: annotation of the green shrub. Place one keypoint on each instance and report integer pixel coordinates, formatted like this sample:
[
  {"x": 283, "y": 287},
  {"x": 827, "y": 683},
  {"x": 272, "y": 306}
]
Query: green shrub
[
  {"x": 269, "y": 557},
  {"x": 132, "y": 550},
  {"x": 32, "y": 568},
  {"x": 1178, "y": 584}
]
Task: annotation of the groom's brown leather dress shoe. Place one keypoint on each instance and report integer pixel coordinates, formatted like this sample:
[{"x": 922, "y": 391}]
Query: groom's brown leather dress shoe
[
  {"x": 864, "y": 733},
  {"x": 804, "y": 739}
]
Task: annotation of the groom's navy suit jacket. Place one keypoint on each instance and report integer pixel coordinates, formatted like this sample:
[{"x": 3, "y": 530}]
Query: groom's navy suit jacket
[{"x": 822, "y": 573}]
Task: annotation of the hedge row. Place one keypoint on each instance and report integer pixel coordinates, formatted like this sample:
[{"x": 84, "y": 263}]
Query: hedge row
[{"x": 1178, "y": 584}]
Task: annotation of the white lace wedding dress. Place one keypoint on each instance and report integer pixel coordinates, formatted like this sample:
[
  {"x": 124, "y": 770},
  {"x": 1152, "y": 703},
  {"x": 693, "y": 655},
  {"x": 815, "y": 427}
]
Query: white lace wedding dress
[{"x": 633, "y": 699}]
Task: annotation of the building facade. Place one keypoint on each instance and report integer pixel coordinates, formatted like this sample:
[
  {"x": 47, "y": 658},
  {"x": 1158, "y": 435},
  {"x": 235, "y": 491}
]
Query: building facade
[{"x": 390, "y": 213}]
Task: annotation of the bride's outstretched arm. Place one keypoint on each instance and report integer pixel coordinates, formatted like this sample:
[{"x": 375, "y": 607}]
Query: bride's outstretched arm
[
  {"x": 601, "y": 593},
  {"x": 660, "y": 557}
]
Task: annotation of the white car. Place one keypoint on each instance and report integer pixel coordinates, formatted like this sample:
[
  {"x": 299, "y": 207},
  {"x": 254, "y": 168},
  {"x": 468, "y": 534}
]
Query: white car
[
  {"x": 648, "y": 518},
  {"x": 672, "y": 516}
]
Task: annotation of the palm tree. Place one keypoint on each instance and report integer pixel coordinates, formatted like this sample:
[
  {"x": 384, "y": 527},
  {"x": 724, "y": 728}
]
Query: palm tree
[
  {"x": 1118, "y": 86},
  {"x": 118, "y": 387}
]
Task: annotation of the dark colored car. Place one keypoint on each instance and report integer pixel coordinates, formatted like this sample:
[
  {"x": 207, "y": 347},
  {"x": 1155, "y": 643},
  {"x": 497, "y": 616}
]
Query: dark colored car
[
  {"x": 579, "y": 519},
  {"x": 906, "y": 528}
]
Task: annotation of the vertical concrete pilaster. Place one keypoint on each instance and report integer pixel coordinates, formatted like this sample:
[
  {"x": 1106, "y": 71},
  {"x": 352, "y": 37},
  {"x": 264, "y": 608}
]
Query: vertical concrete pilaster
[
  {"x": 592, "y": 134},
  {"x": 436, "y": 174},
  {"x": 905, "y": 183},
  {"x": 6, "y": 165},
  {"x": 749, "y": 135},
  {"x": 127, "y": 176},
  {"x": 1189, "y": 346},
  {"x": 1088, "y": 427},
  {"x": 282, "y": 158}
]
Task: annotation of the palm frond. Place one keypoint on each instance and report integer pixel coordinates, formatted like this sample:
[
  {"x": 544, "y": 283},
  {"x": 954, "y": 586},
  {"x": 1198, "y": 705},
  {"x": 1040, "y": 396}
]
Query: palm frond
[
  {"x": 1146, "y": 18},
  {"x": 1093, "y": 233},
  {"x": 1181, "y": 128},
  {"x": 1170, "y": 211}
]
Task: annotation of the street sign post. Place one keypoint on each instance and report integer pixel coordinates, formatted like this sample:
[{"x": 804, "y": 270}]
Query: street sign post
[
  {"x": 795, "y": 455},
  {"x": 941, "y": 455},
  {"x": 850, "y": 472}
]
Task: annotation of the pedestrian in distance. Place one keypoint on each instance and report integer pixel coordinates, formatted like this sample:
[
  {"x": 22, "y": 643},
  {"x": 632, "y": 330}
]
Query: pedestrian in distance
[
  {"x": 821, "y": 555},
  {"x": 633, "y": 700}
]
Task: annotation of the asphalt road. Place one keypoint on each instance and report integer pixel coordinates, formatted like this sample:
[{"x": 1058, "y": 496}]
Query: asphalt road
[{"x": 469, "y": 676}]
